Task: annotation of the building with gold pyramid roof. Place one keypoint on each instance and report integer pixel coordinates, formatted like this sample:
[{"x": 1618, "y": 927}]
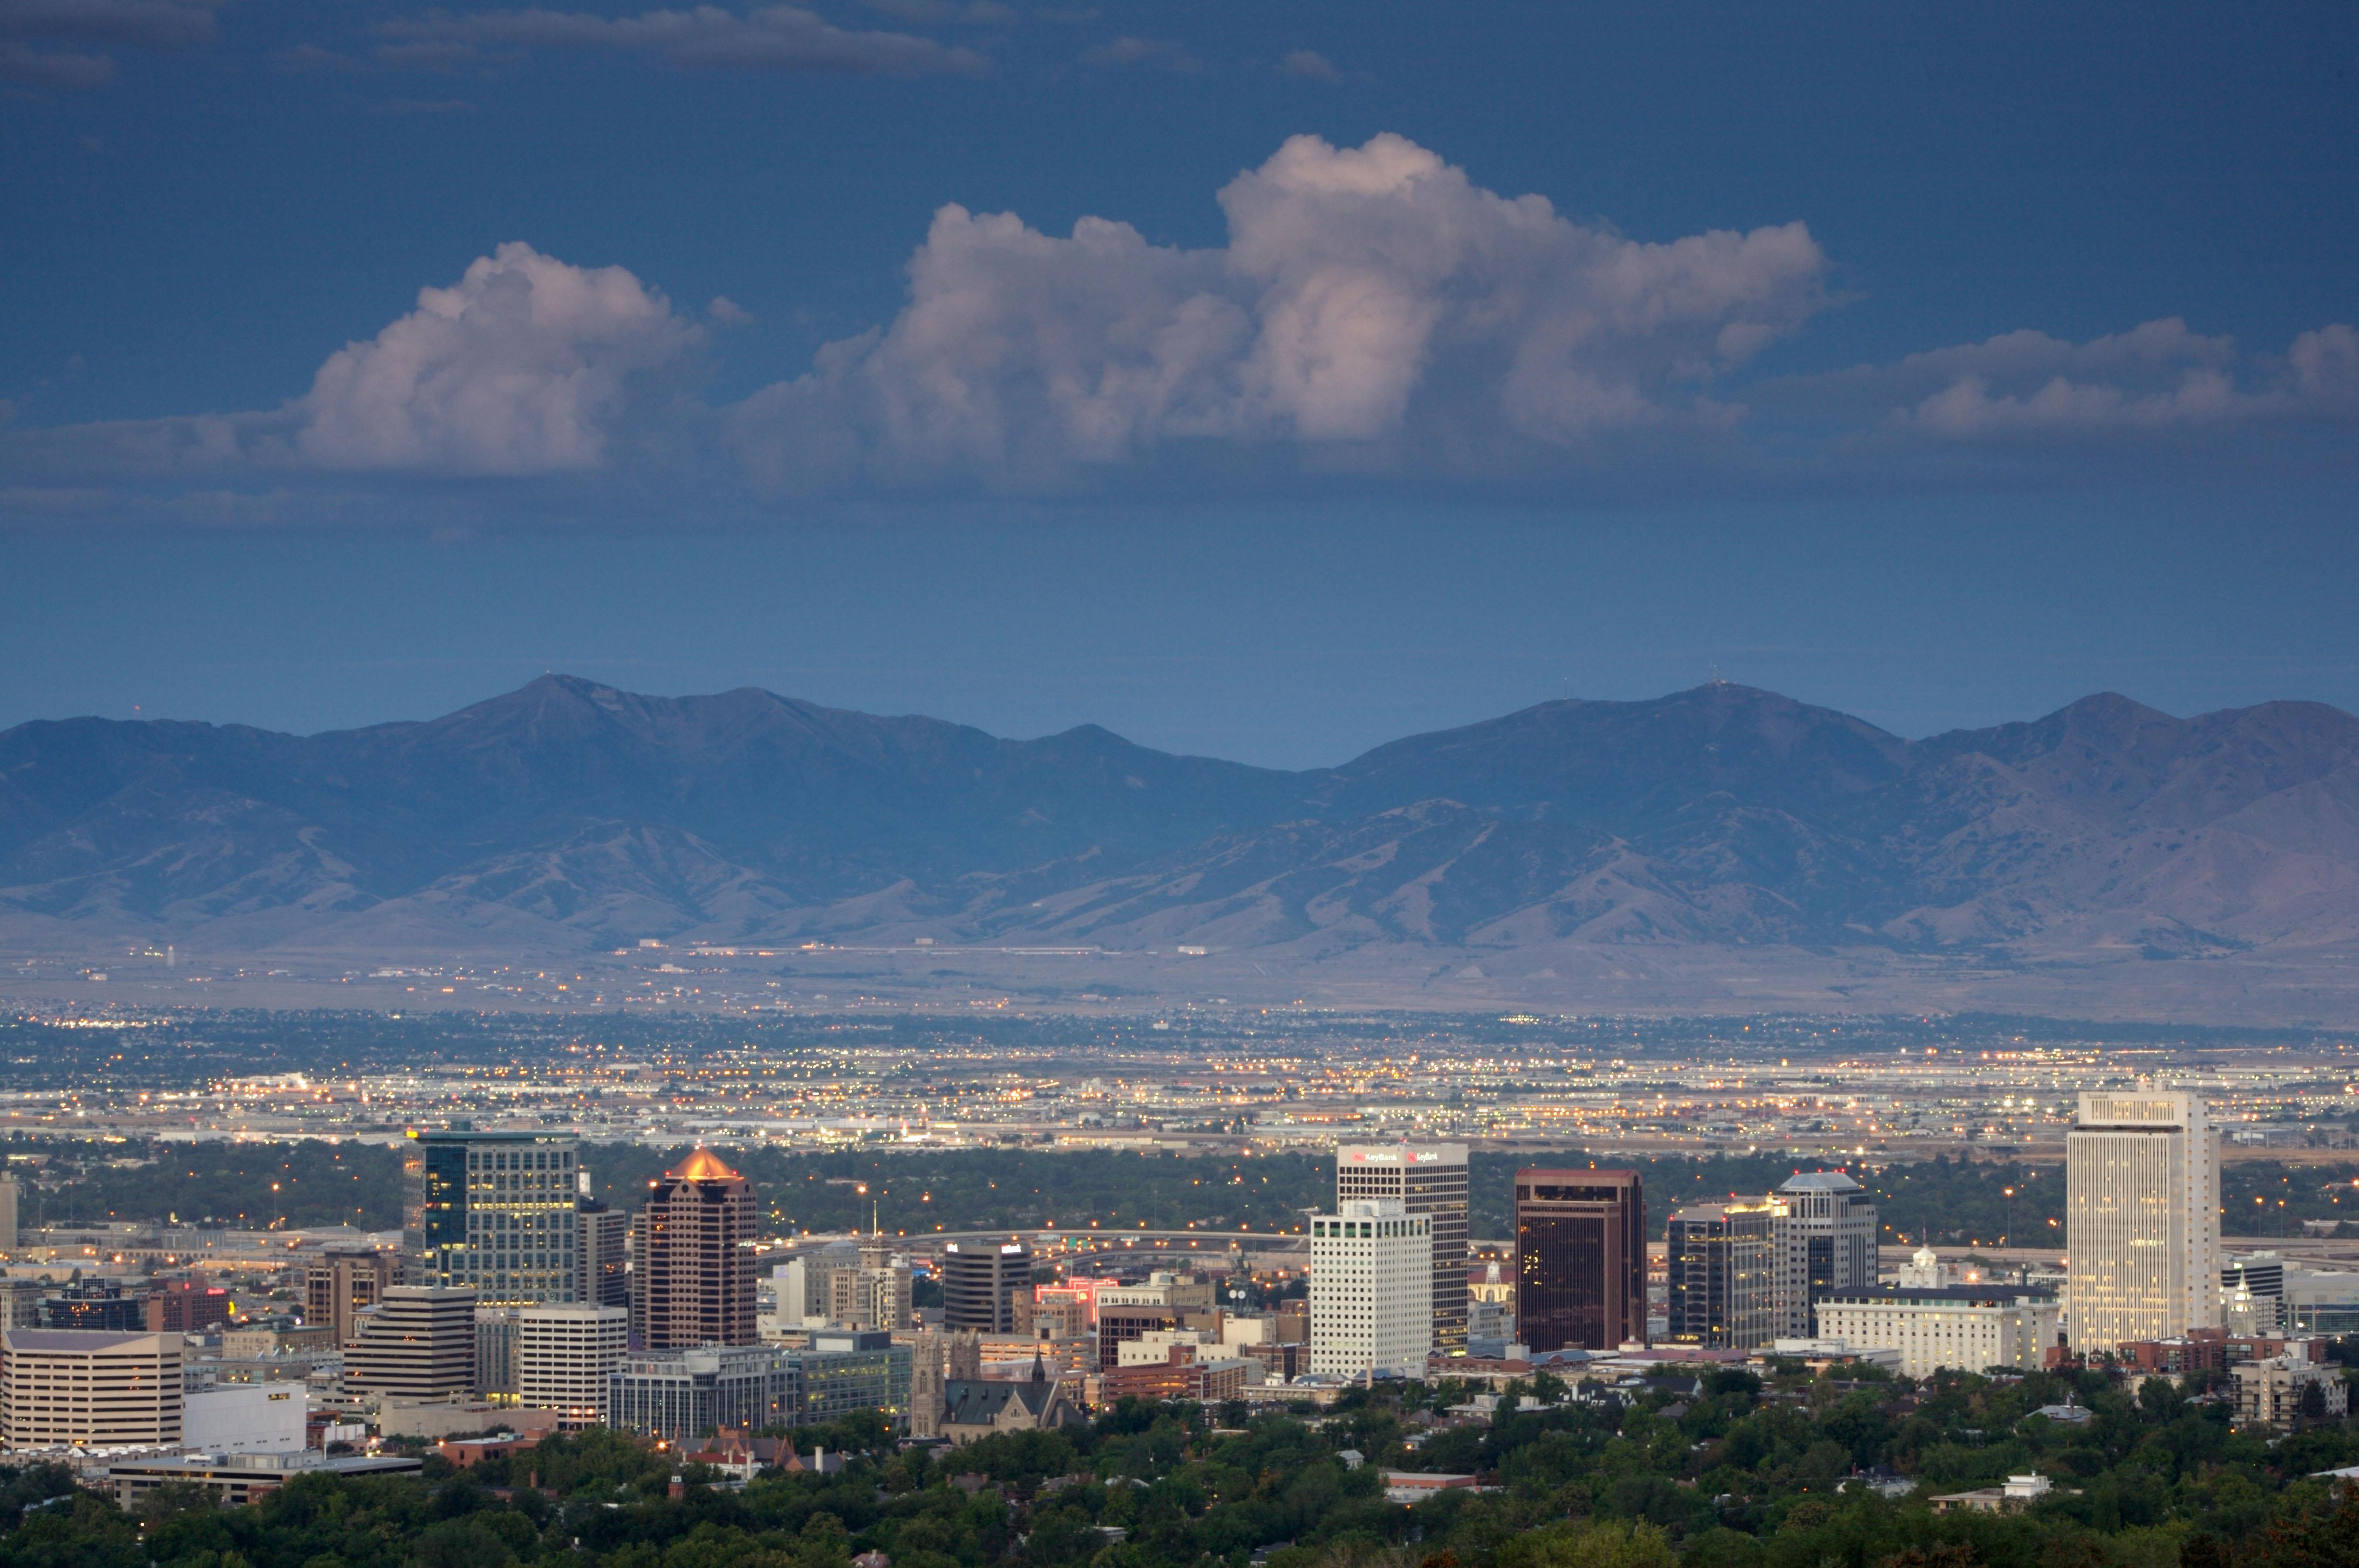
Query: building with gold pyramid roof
[{"x": 694, "y": 1279}]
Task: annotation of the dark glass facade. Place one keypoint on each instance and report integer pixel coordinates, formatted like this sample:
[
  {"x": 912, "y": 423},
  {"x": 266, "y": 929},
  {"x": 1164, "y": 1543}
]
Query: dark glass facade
[
  {"x": 1580, "y": 1258},
  {"x": 981, "y": 1282},
  {"x": 492, "y": 1212}
]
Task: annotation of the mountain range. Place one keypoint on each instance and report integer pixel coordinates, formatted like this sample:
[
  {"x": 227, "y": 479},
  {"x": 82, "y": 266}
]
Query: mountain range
[{"x": 568, "y": 816}]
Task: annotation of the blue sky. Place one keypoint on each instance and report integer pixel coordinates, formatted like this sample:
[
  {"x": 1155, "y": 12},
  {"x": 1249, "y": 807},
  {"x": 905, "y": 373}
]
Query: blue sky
[{"x": 1265, "y": 381}]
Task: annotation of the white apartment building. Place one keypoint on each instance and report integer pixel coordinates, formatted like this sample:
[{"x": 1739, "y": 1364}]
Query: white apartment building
[
  {"x": 2141, "y": 1218},
  {"x": 566, "y": 1359},
  {"x": 1371, "y": 1290},
  {"x": 2270, "y": 1392},
  {"x": 1967, "y": 1328},
  {"x": 87, "y": 1386}
]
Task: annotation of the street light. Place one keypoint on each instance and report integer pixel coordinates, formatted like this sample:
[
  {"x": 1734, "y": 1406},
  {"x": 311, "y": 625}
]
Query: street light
[{"x": 2010, "y": 1216}]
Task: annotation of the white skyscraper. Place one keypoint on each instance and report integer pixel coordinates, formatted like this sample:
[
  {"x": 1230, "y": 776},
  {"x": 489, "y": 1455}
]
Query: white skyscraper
[
  {"x": 566, "y": 1359},
  {"x": 1371, "y": 1288},
  {"x": 2141, "y": 1218}
]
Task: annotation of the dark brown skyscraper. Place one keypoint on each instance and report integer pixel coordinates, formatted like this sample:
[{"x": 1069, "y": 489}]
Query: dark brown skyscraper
[
  {"x": 693, "y": 1282},
  {"x": 1580, "y": 1258}
]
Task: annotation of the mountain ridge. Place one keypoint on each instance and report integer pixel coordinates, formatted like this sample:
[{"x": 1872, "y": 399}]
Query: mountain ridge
[{"x": 570, "y": 814}]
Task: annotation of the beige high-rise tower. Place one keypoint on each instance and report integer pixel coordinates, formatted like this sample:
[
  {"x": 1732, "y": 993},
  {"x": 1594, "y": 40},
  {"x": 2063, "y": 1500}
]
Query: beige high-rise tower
[{"x": 2141, "y": 1218}]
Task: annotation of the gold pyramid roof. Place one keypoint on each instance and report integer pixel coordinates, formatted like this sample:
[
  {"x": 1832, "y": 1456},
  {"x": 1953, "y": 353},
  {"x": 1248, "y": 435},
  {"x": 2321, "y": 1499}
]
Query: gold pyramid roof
[{"x": 704, "y": 1166}]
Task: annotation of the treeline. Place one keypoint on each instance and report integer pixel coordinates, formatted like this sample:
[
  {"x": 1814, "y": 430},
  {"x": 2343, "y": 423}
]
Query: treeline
[
  {"x": 1950, "y": 1202},
  {"x": 316, "y": 1182},
  {"x": 919, "y": 1192},
  {"x": 1736, "y": 1476}
]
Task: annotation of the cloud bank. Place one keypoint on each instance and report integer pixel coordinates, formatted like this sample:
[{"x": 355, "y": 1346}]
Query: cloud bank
[
  {"x": 37, "y": 37},
  {"x": 1373, "y": 315},
  {"x": 768, "y": 37}
]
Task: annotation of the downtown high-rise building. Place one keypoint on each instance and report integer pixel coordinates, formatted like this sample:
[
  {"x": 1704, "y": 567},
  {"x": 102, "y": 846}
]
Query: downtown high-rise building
[
  {"x": 417, "y": 1343},
  {"x": 566, "y": 1360},
  {"x": 1580, "y": 1258},
  {"x": 2141, "y": 1218},
  {"x": 601, "y": 1250},
  {"x": 692, "y": 1282},
  {"x": 1825, "y": 1230},
  {"x": 1721, "y": 1266},
  {"x": 340, "y": 1283},
  {"x": 1371, "y": 1269},
  {"x": 492, "y": 1212},
  {"x": 1427, "y": 1179},
  {"x": 981, "y": 1282}
]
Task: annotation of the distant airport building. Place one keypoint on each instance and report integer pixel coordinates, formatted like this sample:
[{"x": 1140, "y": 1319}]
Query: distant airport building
[
  {"x": 1580, "y": 1258},
  {"x": 2141, "y": 1218},
  {"x": 1428, "y": 1178}
]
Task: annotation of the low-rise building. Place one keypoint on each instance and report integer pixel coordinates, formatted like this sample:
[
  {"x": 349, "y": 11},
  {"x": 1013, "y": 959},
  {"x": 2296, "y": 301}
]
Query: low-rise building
[
  {"x": 2282, "y": 1388},
  {"x": 240, "y": 1478},
  {"x": 247, "y": 1418},
  {"x": 974, "y": 1408},
  {"x": 1968, "y": 1328},
  {"x": 846, "y": 1370},
  {"x": 2020, "y": 1493},
  {"x": 675, "y": 1394},
  {"x": 1205, "y": 1382},
  {"x": 441, "y": 1419},
  {"x": 1417, "y": 1485}
]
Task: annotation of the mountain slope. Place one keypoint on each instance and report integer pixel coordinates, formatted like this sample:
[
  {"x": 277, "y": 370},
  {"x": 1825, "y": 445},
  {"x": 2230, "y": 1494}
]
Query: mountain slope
[{"x": 569, "y": 814}]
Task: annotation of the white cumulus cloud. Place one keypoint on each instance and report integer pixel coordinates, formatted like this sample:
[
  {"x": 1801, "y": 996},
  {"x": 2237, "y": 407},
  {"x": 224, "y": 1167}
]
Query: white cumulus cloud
[
  {"x": 527, "y": 365},
  {"x": 1364, "y": 294},
  {"x": 522, "y": 366}
]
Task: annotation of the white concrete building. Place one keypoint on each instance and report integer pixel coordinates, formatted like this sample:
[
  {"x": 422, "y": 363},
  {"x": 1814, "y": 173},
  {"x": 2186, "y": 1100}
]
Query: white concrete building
[
  {"x": 1161, "y": 1289},
  {"x": 1968, "y": 1328},
  {"x": 1371, "y": 1290},
  {"x": 566, "y": 1359},
  {"x": 87, "y": 1386},
  {"x": 247, "y": 1418},
  {"x": 2141, "y": 1218}
]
